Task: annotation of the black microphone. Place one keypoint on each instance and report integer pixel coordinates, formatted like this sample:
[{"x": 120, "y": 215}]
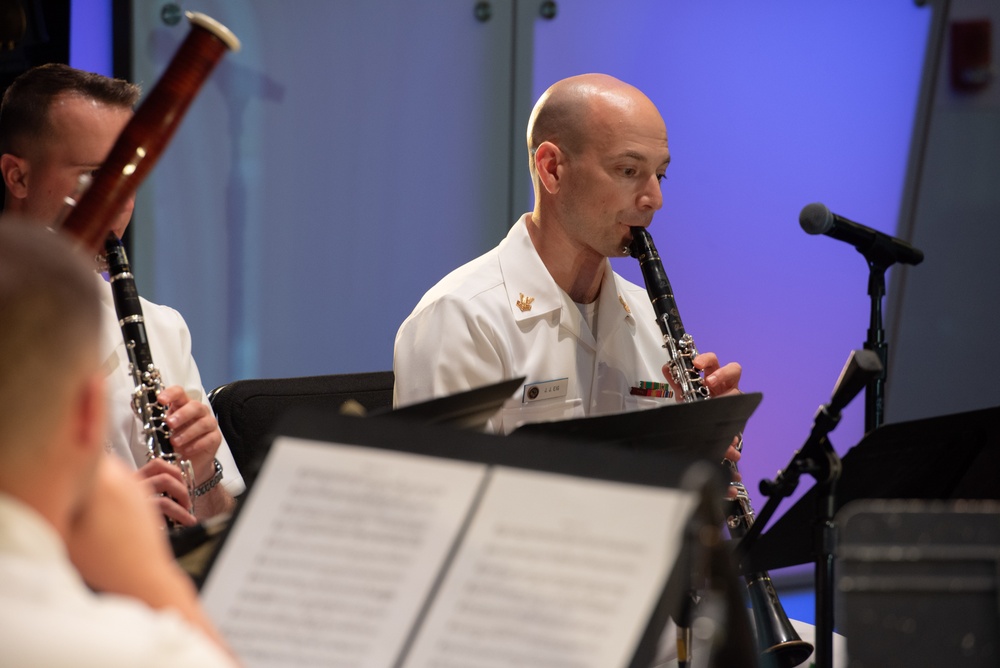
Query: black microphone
[{"x": 815, "y": 218}]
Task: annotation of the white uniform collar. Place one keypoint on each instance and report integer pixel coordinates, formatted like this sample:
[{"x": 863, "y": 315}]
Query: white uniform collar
[{"x": 532, "y": 293}]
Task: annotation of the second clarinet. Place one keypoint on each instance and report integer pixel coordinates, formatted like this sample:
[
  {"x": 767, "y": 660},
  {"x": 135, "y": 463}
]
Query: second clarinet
[
  {"x": 148, "y": 384},
  {"x": 776, "y": 638}
]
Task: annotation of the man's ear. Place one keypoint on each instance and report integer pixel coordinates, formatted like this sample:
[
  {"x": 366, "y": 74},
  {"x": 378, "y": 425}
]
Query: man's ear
[
  {"x": 549, "y": 161},
  {"x": 15, "y": 174},
  {"x": 90, "y": 417}
]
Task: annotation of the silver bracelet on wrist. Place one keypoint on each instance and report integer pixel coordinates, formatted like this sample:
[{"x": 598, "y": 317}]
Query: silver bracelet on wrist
[{"x": 209, "y": 485}]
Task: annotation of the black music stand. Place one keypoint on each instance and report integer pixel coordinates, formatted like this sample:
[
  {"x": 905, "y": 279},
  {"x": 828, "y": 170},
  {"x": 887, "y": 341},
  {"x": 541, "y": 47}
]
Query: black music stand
[
  {"x": 576, "y": 457},
  {"x": 935, "y": 458},
  {"x": 463, "y": 410},
  {"x": 466, "y": 410},
  {"x": 947, "y": 457},
  {"x": 690, "y": 430}
]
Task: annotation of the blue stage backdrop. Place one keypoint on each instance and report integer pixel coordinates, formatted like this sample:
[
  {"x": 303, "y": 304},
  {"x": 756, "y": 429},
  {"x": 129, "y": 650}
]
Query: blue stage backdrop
[{"x": 321, "y": 182}]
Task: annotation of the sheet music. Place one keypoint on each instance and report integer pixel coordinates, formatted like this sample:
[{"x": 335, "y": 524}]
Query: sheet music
[
  {"x": 370, "y": 558},
  {"x": 344, "y": 545},
  {"x": 555, "y": 571}
]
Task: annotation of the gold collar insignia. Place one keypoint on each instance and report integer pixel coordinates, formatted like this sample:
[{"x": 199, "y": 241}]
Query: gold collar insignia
[{"x": 524, "y": 303}]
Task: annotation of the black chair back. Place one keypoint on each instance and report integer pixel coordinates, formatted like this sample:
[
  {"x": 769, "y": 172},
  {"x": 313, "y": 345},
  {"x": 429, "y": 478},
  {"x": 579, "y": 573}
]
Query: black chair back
[{"x": 248, "y": 410}]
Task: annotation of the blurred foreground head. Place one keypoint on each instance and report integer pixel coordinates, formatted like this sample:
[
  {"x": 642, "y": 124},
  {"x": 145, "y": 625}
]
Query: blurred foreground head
[{"x": 50, "y": 315}]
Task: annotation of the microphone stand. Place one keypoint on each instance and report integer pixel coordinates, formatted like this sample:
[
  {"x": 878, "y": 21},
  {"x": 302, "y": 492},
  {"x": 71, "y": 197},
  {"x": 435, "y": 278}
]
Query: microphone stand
[
  {"x": 880, "y": 254},
  {"x": 818, "y": 458},
  {"x": 879, "y": 258}
]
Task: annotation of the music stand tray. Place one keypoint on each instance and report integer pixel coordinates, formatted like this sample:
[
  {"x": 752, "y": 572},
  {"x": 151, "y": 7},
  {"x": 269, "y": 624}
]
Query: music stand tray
[
  {"x": 689, "y": 430},
  {"x": 466, "y": 410},
  {"x": 948, "y": 457}
]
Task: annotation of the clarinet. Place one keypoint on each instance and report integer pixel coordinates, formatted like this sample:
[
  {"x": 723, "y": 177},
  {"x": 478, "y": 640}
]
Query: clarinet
[
  {"x": 148, "y": 383},
  {"x": 777, "y": 640}
]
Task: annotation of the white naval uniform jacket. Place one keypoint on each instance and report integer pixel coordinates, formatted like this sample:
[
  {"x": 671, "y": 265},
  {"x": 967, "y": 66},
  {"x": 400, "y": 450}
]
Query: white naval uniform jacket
[
  {"x": 170, "y": 346},
  {"x": 469, "y": 330},
  {"x": 50, "y": 617}
]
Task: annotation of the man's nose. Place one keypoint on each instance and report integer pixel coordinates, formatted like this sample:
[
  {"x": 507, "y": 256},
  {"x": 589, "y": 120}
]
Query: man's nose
[{"x": 651, "y": 196}]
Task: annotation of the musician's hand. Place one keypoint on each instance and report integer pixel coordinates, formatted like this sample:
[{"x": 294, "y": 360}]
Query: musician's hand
[
  {"x": 116, "y": 539},
  {"x": 169, "y": 491},
  {"x": 721, "y": 380},
  {"x": 194, "y": 430},
  {"x": 733, "y": 455},
  {"x": 117, "y": 546}
]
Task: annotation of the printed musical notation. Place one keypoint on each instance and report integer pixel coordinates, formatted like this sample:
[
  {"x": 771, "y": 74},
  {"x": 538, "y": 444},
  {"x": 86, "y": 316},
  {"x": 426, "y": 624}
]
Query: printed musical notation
[{"x": 352, "y": 556}]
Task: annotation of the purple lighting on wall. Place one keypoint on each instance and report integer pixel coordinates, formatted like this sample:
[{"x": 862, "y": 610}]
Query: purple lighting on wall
[{"x": 90, "y": 45}]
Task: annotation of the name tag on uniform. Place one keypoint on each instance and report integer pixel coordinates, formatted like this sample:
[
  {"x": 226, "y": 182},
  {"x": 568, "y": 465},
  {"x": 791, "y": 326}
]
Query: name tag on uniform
[{"x": 549, "y": 389}]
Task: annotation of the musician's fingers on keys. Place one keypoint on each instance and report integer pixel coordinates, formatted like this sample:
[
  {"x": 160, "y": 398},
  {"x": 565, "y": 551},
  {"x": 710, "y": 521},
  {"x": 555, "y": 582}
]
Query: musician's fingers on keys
[
  {"x": 173, "y": 510},
  {"x": 720, "y": 379},
  {"x": 167, "y": 487},
  {"x": 161, "y": 473},
  {"x": 733, "y": 455},
  {"x": 194, "y": 430}
]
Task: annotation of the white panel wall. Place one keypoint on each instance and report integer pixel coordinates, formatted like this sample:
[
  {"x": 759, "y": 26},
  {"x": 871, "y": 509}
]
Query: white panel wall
[
  {"x": 328, "y": 173},
  {"x": 945, "y": 355}
]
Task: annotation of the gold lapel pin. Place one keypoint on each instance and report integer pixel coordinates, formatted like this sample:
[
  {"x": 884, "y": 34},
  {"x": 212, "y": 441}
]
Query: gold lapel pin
[
  {"x": 624, "y": 305},
  {"x": 524, "y": 303}
]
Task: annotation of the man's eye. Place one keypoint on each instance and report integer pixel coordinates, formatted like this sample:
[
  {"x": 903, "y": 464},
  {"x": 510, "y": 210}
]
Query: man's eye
[
  {"x": 628, "y": 171},
  {"x": 661, "y": 177}
]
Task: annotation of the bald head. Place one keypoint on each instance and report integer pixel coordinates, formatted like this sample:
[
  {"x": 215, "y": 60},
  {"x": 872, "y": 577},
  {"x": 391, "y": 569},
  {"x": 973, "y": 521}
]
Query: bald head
[{"x": 578, "y": 109}]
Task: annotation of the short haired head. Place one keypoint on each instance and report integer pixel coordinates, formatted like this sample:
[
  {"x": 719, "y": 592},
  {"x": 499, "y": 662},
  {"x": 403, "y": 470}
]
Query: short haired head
[
  {"x": 50, "y": 310},
  {"x": 25, "y": 108}
]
